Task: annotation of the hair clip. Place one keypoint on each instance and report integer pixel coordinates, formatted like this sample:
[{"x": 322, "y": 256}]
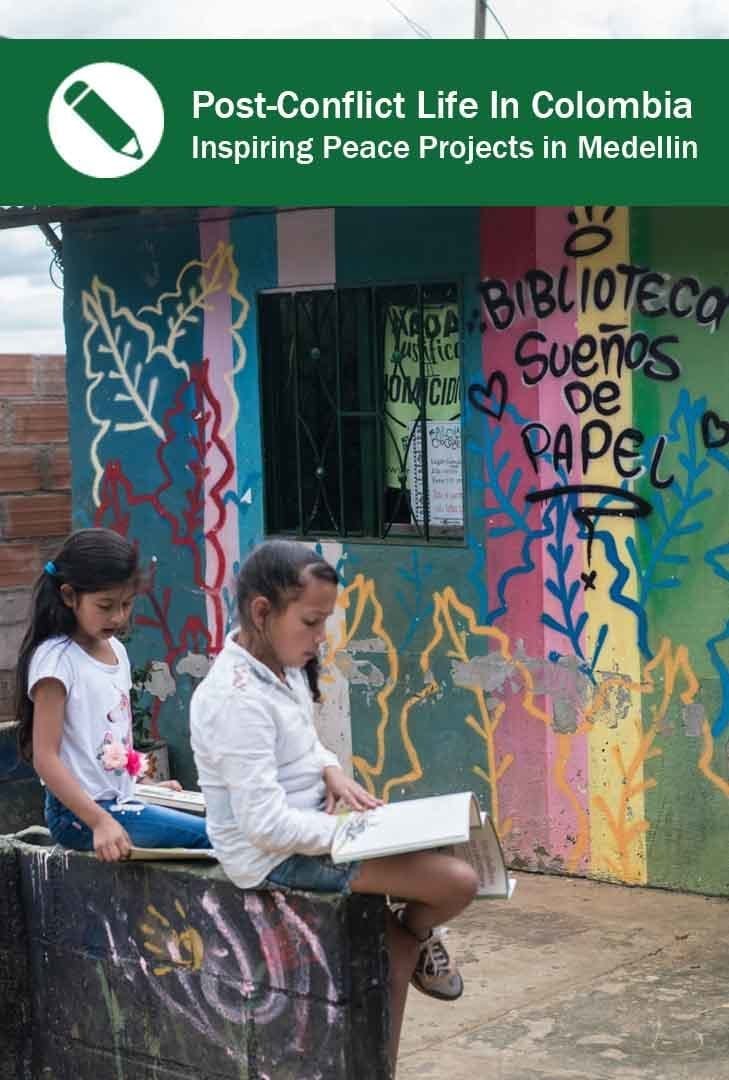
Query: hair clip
[{"x": 50, "y": 568}]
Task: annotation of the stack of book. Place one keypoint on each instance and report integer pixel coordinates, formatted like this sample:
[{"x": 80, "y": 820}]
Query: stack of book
[{"x": 191, "y": 801}]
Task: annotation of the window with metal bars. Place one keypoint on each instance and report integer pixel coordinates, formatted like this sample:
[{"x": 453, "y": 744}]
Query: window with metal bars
[{"x": 362, "y": 393}]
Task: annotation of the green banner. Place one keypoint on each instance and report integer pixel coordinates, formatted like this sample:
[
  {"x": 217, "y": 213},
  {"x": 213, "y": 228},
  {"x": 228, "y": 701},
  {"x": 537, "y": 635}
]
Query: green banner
[{"x": 305, "y": 123}]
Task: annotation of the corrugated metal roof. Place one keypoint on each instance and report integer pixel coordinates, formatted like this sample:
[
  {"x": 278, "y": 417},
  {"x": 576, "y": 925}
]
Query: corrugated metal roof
[{"x": 15, "y": 217}]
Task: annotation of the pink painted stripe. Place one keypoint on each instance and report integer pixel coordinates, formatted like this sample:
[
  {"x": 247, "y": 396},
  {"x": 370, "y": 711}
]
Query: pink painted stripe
[
  {"x": 218, "y": 350},
  {"x": 306, "y": 252},
  {"x": 508, "y": 250},
  {"x": 566, "y": 822}
]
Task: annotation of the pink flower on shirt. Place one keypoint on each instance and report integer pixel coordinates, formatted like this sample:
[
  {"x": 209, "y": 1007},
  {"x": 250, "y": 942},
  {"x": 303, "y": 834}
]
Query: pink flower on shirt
[
  {"x": 136, "y": 763},
  {"x": 121, "y": 757},
  {"x": 113, "y": 755}
]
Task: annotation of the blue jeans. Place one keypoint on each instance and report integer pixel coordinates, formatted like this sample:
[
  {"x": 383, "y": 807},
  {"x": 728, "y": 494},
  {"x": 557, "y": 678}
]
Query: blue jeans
[
  {"x": 147, "y": 825},
  {"x": 313, "y": 873}
]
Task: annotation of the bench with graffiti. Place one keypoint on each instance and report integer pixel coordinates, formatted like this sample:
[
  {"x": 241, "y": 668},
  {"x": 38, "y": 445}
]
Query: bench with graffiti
[{"x": 155, "y": 971}]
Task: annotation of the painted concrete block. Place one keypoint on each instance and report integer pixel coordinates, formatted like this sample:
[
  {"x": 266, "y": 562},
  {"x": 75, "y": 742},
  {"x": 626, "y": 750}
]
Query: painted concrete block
[{"x": 161, "y": 969}]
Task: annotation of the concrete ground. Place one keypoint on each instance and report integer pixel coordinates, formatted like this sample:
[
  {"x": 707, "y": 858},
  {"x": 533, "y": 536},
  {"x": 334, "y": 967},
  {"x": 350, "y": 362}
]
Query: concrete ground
[{"x": 575, "y": 980}]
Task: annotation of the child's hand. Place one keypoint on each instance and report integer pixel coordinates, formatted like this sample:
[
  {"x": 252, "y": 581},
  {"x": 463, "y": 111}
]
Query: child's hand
[
  {"x": 111, "y": 841},
  {"x": 341, "y": 788},
  {"x": 173, "y": 785}
]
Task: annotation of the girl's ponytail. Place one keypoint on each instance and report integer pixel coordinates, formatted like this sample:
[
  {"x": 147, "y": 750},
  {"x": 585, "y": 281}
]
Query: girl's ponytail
[
  {"x": 311, "y": 670},
  {"x": 50, "y": 617},
  {"x": 89, "y": 561}
]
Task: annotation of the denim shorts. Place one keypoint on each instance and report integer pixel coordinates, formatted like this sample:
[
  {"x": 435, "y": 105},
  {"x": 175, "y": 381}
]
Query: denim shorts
[
  {"x": 146, "y": 825},
  {"x": 313, "y": 873}
]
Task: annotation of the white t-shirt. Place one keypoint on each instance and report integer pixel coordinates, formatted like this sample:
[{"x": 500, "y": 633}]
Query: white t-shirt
[
  {"x": 260, "y": 764},
  {"x": 97, "y": 725}
]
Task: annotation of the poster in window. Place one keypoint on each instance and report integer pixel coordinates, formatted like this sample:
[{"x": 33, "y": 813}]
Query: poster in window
[
  {"x": 445, "y": 481},
  {"x": 435, "y": 387}
]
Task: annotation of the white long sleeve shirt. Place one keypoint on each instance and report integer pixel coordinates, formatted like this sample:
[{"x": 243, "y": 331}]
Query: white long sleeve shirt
[{"x": 260, "y": 764}]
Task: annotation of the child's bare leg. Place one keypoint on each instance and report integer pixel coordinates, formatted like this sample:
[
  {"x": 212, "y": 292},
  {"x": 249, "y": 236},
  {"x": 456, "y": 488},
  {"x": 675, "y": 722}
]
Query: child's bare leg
[
  {"x": 436, "y": 888},
  {"x": 403, "y": 950}
]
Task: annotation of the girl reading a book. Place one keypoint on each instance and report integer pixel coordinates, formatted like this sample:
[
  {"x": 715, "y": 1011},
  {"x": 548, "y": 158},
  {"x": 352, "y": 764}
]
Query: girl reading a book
[
  {"x": 272, "y": 789},
  {"x": 73, "y": 685}
]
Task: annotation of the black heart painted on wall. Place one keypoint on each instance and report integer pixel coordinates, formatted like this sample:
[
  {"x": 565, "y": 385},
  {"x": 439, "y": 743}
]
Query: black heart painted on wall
[
  {"x": 714, "y": 430},
  {"x": 490, "y": 399}
]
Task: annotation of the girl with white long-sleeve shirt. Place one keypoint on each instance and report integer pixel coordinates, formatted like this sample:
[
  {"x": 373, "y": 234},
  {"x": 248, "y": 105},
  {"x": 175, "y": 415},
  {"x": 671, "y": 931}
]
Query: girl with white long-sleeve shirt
[{"x": 271, "y": 787}]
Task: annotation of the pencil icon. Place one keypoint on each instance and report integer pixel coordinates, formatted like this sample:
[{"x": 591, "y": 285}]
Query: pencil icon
[{"x": 105, "y": 121}]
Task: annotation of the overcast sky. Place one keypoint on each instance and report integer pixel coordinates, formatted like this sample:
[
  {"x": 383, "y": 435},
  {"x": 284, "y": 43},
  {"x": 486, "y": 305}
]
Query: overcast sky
[{"x": 30, "y": 305}]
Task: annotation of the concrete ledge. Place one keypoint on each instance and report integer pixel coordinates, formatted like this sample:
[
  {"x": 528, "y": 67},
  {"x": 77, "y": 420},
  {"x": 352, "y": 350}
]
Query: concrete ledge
[
  {"x": 148, "y": 971},
  {"x": 15, "y": 994}
]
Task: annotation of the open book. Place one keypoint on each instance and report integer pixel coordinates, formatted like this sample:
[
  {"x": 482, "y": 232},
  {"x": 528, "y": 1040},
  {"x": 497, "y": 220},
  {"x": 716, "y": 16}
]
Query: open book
[
  {"x": 449, "y": 823},
  {"x": 191, "y": 801},
  {"x": 179, "y": 853}
]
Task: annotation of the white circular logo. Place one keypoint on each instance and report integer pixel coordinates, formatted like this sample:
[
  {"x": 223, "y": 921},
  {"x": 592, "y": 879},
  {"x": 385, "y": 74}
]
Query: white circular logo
[{"x": 106, "y": 120}]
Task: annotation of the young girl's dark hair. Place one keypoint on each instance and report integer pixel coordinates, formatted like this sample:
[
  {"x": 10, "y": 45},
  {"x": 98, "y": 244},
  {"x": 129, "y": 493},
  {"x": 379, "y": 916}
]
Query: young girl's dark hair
[
  {"x": 89, "y": 561},
  {"x": 275, "y": 570}
]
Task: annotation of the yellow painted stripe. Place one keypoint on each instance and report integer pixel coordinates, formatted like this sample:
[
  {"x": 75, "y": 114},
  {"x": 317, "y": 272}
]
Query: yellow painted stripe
[{"x": 617, "y": 746}]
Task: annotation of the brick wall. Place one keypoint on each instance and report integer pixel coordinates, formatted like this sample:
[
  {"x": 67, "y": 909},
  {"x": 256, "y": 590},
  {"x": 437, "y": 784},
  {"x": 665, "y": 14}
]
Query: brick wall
[{"x": 35, "y": 491}]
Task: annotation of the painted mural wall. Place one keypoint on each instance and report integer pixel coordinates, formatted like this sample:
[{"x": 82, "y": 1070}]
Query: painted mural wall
[{"x": 570, "y": 661}]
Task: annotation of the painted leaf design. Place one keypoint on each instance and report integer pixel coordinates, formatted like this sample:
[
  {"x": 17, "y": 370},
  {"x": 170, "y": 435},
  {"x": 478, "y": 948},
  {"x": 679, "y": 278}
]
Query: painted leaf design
[
  {"x": 200, "y": 288},
  {"x": 364, "y": 653},
  {"x": 123, "y": 376},
  {"x": 476, "y": 654}
]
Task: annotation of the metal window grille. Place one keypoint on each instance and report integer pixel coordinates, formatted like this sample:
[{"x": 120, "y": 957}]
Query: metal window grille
[{"x": 362, "y": 394}]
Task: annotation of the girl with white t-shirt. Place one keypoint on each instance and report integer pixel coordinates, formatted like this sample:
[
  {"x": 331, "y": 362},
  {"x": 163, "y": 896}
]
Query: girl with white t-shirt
[
  {"x": 73, "y": 686},
  {"x": 271, "y": 788}
]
